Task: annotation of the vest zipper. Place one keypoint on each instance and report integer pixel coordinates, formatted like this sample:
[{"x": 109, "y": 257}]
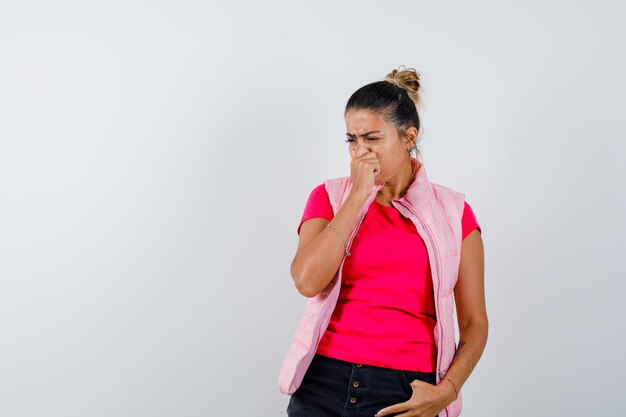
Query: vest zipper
[{"x": 438, "y": 268}]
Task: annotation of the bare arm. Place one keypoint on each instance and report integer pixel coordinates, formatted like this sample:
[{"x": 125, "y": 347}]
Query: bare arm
[
  {"x": 321, "y": 250},
  {"x": 469, "y": 293}
]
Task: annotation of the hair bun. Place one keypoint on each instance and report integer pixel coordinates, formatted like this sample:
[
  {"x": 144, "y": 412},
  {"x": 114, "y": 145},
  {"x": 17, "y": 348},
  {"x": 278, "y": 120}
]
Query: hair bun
[{"x": 408, "y": 79}]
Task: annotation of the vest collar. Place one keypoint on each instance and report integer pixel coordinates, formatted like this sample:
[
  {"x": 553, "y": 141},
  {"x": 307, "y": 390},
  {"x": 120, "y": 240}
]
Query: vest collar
[{"x": 420, "y": 190}]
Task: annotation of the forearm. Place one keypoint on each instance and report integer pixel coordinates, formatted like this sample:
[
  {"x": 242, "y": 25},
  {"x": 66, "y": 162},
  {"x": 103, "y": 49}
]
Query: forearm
[
  {"x": 472, "y": 341},
  {"x": 318, "y": 262}
]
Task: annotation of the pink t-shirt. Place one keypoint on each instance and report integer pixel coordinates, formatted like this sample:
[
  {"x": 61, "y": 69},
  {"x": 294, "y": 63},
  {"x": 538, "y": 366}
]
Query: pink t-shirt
[{"x": 385, "y": 313}]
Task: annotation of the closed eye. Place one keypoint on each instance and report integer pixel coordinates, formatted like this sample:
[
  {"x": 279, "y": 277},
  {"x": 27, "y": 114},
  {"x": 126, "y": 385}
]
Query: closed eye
[{"x": 367, "y": 139}]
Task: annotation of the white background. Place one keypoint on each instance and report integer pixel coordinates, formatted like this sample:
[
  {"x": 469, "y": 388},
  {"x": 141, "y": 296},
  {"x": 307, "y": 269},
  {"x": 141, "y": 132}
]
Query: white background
[{"x": 155, "y": 159}]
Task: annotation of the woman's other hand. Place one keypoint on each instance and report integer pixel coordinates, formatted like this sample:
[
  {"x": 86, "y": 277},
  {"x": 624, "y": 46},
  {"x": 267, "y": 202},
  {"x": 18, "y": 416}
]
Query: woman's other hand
[{"x": 427, "y": 400}]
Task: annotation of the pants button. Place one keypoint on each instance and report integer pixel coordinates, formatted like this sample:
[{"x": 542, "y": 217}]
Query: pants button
[
  {"x": 352, "y": 400},
  {"x": 358, "y": 365},
  {"x": 355, "y": 384}
]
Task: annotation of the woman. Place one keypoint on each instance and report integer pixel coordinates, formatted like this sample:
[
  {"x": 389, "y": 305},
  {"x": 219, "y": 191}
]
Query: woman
[{"x": 382, "y": 256}]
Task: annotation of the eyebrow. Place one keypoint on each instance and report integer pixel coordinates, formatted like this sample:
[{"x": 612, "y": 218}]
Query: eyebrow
[{"x": 364, "y": 134}]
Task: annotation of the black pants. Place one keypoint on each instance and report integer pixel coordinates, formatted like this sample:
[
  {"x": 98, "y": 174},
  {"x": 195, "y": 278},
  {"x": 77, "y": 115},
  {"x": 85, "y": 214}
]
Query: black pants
[{"x": 335, "y": 388}]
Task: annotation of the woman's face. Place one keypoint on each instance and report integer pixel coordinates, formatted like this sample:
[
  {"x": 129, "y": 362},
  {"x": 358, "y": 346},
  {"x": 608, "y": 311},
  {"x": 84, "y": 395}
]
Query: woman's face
[{"x": 368, "y": 129}]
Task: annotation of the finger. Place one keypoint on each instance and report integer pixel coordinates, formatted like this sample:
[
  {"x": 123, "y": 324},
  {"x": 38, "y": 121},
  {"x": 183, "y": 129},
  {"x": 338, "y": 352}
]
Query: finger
[
  {"x": 370, "y": 156},
  {"x": 396, "y": 408},
  {"x": 420, "y": 382},
  {"x": 374, "y": 165}
]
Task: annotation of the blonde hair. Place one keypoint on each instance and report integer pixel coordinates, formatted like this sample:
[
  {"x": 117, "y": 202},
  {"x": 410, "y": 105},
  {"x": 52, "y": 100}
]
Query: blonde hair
[{"x": 409, "y": 80}]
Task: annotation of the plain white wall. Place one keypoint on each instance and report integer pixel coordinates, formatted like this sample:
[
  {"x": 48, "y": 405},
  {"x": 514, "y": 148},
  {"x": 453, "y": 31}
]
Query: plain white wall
[{"x": 155, "y": 159}]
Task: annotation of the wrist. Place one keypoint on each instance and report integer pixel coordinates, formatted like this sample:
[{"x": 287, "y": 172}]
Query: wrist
[
  {"x": 360, "y": 195},
  {"x": 448, "y": 390}
]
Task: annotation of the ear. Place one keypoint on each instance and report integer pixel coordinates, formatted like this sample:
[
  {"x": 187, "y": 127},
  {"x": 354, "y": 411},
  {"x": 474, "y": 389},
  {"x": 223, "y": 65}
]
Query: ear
[
  {"x": 410, "y": 136},
  {"x": 412, "y": 133}
]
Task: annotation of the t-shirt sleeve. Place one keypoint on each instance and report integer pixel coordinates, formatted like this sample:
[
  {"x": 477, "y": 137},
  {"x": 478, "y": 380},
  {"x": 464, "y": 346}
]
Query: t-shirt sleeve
[
  {"x": 469, "y": 222},
  {"x": 318, "y": 205}
]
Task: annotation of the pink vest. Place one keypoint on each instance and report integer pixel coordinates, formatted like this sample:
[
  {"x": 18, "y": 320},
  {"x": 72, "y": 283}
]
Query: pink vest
[{"x": 436, "y": 212}]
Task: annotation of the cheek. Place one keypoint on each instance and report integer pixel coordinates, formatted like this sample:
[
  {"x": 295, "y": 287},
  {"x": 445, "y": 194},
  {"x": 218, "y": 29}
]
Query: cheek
[{"x": 389, "y": 163}]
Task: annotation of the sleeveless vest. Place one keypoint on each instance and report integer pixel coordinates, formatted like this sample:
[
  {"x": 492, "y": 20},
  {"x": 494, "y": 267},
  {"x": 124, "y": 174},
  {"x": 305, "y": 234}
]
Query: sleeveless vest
[{"x": 436, "y": 212}]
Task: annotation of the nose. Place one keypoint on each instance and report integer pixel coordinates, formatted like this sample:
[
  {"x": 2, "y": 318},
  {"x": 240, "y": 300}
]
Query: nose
[{"x": 357, "y": 147}]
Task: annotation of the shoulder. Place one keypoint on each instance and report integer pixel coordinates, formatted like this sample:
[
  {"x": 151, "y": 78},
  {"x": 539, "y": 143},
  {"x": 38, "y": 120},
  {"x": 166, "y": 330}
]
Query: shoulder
[
  {"x": 318, "y": 193},
  {"x": 469, "y": 221},
  {"x": 337, "y": 187},
  {"x": 444, "y": 189},
  {"x": 468, "y": 212},
  {"x": 337, "y": 182},
  {"x": 452, "y": 200},
  {"x": 319, "y": 189}
]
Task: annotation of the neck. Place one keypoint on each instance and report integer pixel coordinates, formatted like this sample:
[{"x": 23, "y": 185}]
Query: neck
[{"x": 397, "y": 189}]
